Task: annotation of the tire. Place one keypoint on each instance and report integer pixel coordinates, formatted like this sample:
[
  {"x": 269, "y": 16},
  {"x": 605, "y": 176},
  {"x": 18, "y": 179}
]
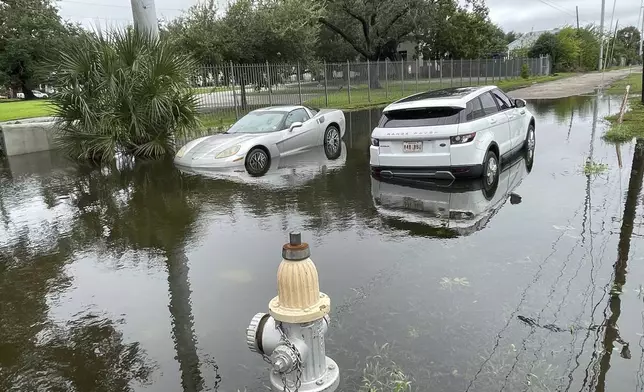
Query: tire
[
  {"x": 332, "y": 142},
  {"x": 491, "y": 171},
  {"x": 530, "y": 140},
  {"x": 257, "y": 162}
]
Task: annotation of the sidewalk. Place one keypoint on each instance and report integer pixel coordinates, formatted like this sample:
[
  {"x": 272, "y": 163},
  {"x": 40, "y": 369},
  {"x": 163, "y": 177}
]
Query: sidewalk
[{"x": 576, "y": 85}]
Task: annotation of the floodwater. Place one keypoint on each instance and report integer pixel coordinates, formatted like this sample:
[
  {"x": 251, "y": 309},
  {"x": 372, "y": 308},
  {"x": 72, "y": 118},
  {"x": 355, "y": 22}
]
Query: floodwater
[{"x": 139, "y": 277}]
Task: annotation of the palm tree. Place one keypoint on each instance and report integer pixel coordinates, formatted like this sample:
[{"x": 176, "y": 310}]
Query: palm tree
[{"x": 123, "y": 92}]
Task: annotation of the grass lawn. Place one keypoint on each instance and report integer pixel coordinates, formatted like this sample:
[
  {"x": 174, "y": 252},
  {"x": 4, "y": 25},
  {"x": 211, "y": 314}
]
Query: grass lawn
[
  {"x": 632, "y": 127},
  {"x": 362, "y": 98},
  {"x": 20, "y": 109},
  {"x": 619, "y": 87}
]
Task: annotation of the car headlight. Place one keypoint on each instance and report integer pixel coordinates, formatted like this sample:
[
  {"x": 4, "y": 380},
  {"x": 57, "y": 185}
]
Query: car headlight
[
  {"x": 181, "y": 152},
  {"x": 229, "y": 152}
]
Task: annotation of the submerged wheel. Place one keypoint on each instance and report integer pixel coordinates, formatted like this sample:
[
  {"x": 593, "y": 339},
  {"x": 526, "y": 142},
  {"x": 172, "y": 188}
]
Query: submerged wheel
[
  {"x": 332, "y": 142},
  {"x": 530, "y": 141},
  {"x": 491, "y": 170},
  {"x": 257, "y": 162}
]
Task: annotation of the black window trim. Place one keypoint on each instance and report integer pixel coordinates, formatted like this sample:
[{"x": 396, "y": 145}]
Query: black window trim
[
  {"x": 493, "y": 99},
  {"x": 496, "y": 91},
  {"x": 294, "y": 110}
]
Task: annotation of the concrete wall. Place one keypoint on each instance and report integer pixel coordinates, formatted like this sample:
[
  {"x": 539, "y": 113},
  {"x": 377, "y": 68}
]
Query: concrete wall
[{"x": 27, "y": 136}]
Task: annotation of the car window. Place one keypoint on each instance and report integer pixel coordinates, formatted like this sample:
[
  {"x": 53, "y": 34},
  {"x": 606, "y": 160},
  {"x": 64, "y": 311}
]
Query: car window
[
  {"x": 488, "y": 103},
  {"x": 297, "y": 115},
  {"x": 259, "y": 122},
  {"x": 474, "y": 110},
  {"x": 420, "y": 117},
  {"x": 503, "y": 101}
]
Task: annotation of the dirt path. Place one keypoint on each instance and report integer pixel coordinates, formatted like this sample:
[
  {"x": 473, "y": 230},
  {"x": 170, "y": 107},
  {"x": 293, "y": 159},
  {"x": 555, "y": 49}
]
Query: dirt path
[{"x": 576, "y": 85}]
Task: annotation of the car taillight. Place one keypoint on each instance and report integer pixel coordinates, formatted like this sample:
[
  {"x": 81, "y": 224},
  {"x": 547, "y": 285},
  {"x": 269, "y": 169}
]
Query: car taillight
[
  {"x": 375, "y": 142},
  {"x": 460, "y": 139}
]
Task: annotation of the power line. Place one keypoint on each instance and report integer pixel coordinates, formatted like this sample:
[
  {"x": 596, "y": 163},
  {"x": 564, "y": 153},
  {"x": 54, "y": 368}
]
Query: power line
[{"x": 558, "y": 8}]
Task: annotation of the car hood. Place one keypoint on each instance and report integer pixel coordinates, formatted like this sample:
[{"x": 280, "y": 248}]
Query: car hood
[{"x": 209, "y": 144}]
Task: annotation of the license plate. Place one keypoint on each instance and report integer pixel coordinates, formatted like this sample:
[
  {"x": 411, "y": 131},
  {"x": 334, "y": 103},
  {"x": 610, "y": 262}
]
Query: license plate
[{"x": 412, "y": 146}]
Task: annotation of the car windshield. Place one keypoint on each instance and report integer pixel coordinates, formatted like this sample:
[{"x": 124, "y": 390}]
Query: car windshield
[{"x": 259, "y": 122}]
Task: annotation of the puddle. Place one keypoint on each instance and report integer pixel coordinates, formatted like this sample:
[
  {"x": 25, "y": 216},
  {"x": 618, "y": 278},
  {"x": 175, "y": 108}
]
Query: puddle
[{"x": 143, "y": 277}]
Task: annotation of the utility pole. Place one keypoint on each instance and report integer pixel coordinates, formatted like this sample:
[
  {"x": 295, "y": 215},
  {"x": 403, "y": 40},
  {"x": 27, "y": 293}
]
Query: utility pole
[
  {"x": 642, "y": 26},
  {"x": 601, "y": 39},
  {"x": 579, "y": 32},
  {"x": 145, "y": 16}
]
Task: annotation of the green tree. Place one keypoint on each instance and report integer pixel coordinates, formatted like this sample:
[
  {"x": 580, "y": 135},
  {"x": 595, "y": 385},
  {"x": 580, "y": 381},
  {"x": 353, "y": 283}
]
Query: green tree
[
  {"x": 589, "y": 44},
  {"x": 547, "y": 45},
  {"x": 123, "y": 92},
  {"x": 197, "y": 32},
  {"x": 375, "y": 27},
  {"x": 627, "y": 44},
  {"x": 568, "y": 48},
  {"x": 31, "y": 32},
  {"x": 461, "y": 32},
  {"x": 275, "y": 31}
]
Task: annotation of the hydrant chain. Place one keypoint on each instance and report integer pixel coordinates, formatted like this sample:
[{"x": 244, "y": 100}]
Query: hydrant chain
[{"x": 298, "y": 361}]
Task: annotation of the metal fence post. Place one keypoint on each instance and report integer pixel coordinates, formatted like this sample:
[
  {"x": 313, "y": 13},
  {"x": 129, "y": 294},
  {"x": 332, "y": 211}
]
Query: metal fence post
[
  {"x": 429, "y": 75},
  {"x": 451, "y": 73},
  {"x": 368, "y": 81},
  {"x": 417, "y": 68},
  {"x": 440, "y": 83},
  {"x": 386, "y": 80},
  {"x": 349, "y": 81},
  {"x": 402, "y": 76},
  {"x": 461, "y": 83},
  {"x": 478, "y": 71},
  {"x": 512, "y": 69},
  {"x": 299, "y": 83},
  {"x": 268, "y": 79},
  {"x": 486, "y": 68},
  {"x": 326, "y": 87},
  {"x": 470, "y": 70},
  {"x": 232, "y": 77}
]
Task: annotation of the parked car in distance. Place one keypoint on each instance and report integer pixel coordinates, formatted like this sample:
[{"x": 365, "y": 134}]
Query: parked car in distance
[
  {"x": 20, "y": 95},
  {"x": 40, "y": 94},
  {"x": 450, "y": 133},
  {"x": 263, "y": 135}
]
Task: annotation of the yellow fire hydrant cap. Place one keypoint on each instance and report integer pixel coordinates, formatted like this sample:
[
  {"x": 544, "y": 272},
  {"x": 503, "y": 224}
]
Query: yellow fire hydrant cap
[{"x": 299, "y": 299}]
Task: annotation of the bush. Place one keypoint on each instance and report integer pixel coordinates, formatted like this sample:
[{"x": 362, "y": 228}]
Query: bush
[
  {"x": 525, "y": 71},
  {"x": 125, "y": 92}
]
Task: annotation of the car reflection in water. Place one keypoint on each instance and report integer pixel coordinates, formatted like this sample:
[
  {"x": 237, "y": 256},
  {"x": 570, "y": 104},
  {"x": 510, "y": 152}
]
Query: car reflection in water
[
  {"x": 447, "y": 209},
  {"x": 291, "y": 171}
]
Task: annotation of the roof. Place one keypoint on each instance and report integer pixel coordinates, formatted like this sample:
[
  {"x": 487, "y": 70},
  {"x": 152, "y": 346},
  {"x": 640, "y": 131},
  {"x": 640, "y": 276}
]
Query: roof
[
  {"x": 449, "y": 97},
  {"x": 283, "y": 108},
  {"x": 528, "y": 39}
]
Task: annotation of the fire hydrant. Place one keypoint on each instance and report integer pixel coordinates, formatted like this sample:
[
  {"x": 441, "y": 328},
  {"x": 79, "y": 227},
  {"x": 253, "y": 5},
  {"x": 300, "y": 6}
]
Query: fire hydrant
[{"x": 291, "y": 336}]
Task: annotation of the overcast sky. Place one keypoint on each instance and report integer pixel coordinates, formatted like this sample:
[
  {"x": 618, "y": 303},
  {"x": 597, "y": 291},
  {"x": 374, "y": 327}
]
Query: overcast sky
[{"x": 519, "y": 15}]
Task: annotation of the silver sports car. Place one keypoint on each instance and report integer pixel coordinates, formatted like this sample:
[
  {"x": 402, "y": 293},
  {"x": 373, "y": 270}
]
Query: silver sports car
[{"x": 263, "y": 135}]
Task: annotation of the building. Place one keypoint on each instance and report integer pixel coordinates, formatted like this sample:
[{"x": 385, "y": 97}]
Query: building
[{"x": 527, "y": 40}]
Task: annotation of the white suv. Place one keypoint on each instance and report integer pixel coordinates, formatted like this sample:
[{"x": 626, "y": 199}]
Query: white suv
[{"x": 448, "y": 133}]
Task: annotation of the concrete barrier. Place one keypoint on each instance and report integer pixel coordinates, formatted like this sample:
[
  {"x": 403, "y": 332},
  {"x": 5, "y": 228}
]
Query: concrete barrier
[{"x": 26, "y": 136}]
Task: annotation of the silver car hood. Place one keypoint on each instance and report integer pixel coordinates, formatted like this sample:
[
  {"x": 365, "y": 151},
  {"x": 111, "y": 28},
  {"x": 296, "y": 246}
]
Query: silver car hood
[{"x": 218, "y": 142}]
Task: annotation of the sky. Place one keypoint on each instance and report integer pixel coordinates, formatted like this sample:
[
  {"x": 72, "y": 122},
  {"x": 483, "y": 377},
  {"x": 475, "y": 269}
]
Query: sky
[{"x": 518, "y": 15}]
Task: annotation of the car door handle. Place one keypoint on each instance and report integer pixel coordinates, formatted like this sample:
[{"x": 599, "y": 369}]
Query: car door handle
[
  {"x": 522, "y": 111},
  {"x": 493, "y": 120}
]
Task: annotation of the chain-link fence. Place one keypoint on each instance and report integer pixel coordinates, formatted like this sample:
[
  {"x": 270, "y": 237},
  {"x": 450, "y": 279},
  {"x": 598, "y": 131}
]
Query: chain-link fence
[{"x": 226, "y": 92}]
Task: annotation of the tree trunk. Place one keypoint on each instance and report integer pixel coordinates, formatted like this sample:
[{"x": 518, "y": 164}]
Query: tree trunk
[
  {"x": 29, "y": 94},
  {"x": 374, "y": 74}
]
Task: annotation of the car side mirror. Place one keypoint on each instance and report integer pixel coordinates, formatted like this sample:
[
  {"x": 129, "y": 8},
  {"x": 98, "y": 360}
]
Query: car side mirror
[
  {"x": 520, "y": 103},
  {"x": 296, "y": 124}
]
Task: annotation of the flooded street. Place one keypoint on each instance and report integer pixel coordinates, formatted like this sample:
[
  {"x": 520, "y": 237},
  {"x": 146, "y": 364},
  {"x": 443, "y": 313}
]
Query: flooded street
[{"x": 140, "y": 277}]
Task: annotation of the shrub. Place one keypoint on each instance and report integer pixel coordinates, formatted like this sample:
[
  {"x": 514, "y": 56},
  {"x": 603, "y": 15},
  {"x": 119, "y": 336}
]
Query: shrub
[
  {"x": 525, "y": 71},
  {"x": 123, "y": 92}
]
